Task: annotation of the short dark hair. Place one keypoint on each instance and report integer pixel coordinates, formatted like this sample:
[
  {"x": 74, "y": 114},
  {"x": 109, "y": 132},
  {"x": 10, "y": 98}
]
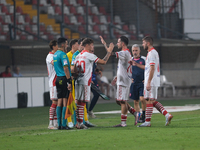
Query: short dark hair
[
  {"x": 87, "y": 41},
  {"x": 52, "y": 43},
  {"x": 7, "y": 67},
  {"x": 124, "y": 39},
  {"x": 61, "y": 40},
  {"x": 80, "y": 40},
  {"x": 148, "y": 39},
  {"x": 72, "y": 42}
]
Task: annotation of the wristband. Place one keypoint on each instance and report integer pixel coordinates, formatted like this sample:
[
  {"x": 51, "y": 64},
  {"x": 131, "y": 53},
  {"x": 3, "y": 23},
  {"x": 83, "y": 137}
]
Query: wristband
[{"x": 69, "y": 80}]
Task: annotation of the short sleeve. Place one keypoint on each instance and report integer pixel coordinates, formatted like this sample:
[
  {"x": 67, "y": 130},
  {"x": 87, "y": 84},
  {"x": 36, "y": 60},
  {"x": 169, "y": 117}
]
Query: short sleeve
[
  {"x": 121, "y": 55},
  {"x": 64, "y": 59},
  {"x": 49, "y": 59},
  {"x": 93, "y": 57},
  {"x": 152, "y": 58}
]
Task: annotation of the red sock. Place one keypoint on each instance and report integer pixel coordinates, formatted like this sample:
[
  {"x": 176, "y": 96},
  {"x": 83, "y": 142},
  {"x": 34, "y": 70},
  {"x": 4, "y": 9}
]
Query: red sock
[
  {"x": 123, "y": 118},
  {"x": 55, "y": 114},
  {"x": 160, "y": 108},
  {"x": 80, "y": 111},
  {"x": 149, "y": 111},
  {"x": 52, "y": 111},
  {"x": 132, "y": 110}
]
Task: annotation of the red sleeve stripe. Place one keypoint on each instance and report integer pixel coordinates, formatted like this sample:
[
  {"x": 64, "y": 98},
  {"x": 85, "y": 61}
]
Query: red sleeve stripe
[
  {"x": 152, "y": 63},
  {"x": 96, "y": 60},
  {"x": 117, "y": 55}
]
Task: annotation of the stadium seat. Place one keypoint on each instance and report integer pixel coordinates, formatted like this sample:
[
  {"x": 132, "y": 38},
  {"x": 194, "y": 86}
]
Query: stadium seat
[
  {"x": 66, "y": 10},
  {"x": 73, "y": 10},
  {"x": 11, "y": 9},
  {"x": 7, "y": 19},
  {"x": 1, "y": 20},
  {"x": 90, "y": 20},
  {"x": 30, "y": 37},
  {"x": 73, "y": 20},
  {"x": 2, "y": 37},
  {"x": 67, "y": 21},
  {"x": 81, "y": 29},
  {"x": 50, "y": 37},
  {"x": 43, "y": 3},
  {"x": 34, "y": 29},
  {"x": 20, "y": 19},
  {"x": 50, "y": 10},
  {"x": 90, "y": 30},
  {"x": 96, "y": 29},
  {"x": 66, "y": 2},
  {"x": 81, "y": 2},
  {"x": 23, "y": 37},
  {"x": 34, "y": 20},
  {"x": 96, "y": 20},
  {"x": 89, "y": 3},
  {"x": 103, "y": 19},
  {"x": 95, "y": 10},
  {"x": 44, "y": 37},
  {"x": 132, "y": 28},
  {"x": 34, "y": 2},
  {"x": 58, "y": 2},
  {"x": 102, "y": 10},
  {"x": 28, "y": 19},
  {"x": 19, "y": 10},
  {"x": 165, "y": 84},
  {"x": 73, "y": 2},
  {"x": 43, "y": 29},
  {"x": 108, "y": 19},
  {"x": 4, "y": 10},
  {"x": 104, "y": 29},
  {"x": 3, "y": 2},
  {"x": 81, "y": 19},
  {"x": 27, "y": 28},
  {"x": 89, "y": 11},
  {"x": 80, "y": 10},
  {"x": 133, "y": 37},
  {"x": 5, "y": 29},
  {"x": 58, "y": 10},
  {"x": 117, "y": 20}
]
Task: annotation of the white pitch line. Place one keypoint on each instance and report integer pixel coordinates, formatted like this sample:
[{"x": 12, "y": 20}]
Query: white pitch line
[{"x": 168, "y": 108}]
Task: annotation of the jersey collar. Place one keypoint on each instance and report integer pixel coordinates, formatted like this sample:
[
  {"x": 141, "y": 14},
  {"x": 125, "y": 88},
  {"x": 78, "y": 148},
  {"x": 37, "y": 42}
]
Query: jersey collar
[
  {"x": 127, "y": 50},
  {"x": 51, "y": 53},
  {"x": 83, "y": 51},
  {"x": 151, "y": 49}
]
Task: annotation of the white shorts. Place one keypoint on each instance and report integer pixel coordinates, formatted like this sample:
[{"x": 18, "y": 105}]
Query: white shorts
[
  {"x": 82, "y": 92},
  {"x": 53, "y": 93},
  {"x": 122, "y": 93},
  {"x": 152, "y": 94}
]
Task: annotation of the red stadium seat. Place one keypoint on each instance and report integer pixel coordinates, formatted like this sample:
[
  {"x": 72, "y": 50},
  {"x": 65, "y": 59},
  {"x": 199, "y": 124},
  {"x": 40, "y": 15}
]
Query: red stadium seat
[
  {"x": 96, "y": 20},
  {"x": 58, "y": 10},
  {"x": 66, "y": 2},
  {"x": 125, "y": 27},
  {"x": 73, "y": 10},
  {"x": 28, "y": 19},
  {"x": 4, "y": 9},
  {"x": 81, "y": 19},
  {"x": 19, "y": 10},
  {"x": 66, "y": 20},
  {"x": 102, "y": 10},
  {"x": 27, "y": 28},
  {"x": 81, "y": 2},
  {"x": 23, "y": 37},
  {"x": 96, "y": 29},
  {"x": 34, "y": 2},
  {"x": 81, "y": 29}
]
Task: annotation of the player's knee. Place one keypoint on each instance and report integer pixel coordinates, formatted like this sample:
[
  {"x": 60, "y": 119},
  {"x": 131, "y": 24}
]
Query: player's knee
[{"x": 118, "y": 103}]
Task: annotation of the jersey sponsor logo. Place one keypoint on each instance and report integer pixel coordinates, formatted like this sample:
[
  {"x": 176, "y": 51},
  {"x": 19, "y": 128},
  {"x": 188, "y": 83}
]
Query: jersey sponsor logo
[
  {"x": 158, "y": 75},
  {"x": 54, "y": 60},
  {"x": 146, "y": 68},
  {"x": 65, "y": 62},
  {"x": 64, "y": 56}
]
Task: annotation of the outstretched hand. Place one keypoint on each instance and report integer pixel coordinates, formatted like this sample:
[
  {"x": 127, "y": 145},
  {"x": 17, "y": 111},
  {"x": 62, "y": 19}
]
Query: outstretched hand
[
  {"x": 102, "y": 40},
  {"x": 110, "y": 48}
]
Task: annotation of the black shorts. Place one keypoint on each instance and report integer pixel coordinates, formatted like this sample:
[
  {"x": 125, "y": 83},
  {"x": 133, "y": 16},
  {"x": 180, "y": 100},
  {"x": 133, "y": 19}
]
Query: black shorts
[
  {"x": 61, "y": 86},
  {"x": 136, "y": 90}
]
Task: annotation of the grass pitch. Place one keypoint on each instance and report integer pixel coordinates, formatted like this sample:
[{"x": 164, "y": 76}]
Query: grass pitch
[{"x": 27, "y": 129}]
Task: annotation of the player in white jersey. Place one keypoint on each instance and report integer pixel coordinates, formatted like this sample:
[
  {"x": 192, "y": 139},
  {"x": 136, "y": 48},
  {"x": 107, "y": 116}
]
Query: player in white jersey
[
  {"x": 83, "y": 67},
  {"x": 124, "y": 79},
  {"x": 52, "y": 86},
  {"x": 152, "y": 82}
]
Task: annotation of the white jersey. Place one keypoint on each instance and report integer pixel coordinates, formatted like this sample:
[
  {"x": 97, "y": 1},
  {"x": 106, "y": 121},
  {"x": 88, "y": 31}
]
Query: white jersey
[
  {"x": 124, "y": 69},
  {"x": 84, "y": 64},
  {"x": 152, "y": 59},
  {"x": 50, "y": 68}
]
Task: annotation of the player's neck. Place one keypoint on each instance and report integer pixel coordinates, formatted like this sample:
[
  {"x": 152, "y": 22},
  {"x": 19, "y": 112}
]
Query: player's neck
[
  {"x": 61, "y": 49},
  {"x": 73, "y": 51},
  {"x": 149, "y": 48},
  {"x": 53, "y": 51},
  {"x": 124, "y": 48}
]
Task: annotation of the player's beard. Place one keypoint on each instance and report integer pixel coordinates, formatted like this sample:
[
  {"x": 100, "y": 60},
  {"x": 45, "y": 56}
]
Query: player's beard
[{"x": 146, "y": 47}]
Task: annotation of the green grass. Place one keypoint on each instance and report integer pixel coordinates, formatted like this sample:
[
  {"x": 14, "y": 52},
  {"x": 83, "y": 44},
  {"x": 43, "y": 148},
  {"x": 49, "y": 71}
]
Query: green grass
[{"x": 27, "y": 129}]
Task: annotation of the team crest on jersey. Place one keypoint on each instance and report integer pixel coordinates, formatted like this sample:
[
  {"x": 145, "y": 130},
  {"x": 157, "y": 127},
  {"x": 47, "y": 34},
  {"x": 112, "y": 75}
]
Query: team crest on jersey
[{"x": 65, "y": 62}]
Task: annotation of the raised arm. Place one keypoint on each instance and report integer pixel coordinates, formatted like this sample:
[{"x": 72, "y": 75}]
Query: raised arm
[{"x": 105, "y": 59}]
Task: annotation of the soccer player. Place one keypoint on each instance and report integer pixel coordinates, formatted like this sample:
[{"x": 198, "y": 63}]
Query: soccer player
[
  {"x": 137, "y": 86},
  {"x": 52, "y": 85},
  {"x": 124, "y": 81},
  {"x": 63, "y": 81},
  {"x": 74, "y": 47},
  {"x": 152, "y": 82},
  {"x": 83, "y": 66}
]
